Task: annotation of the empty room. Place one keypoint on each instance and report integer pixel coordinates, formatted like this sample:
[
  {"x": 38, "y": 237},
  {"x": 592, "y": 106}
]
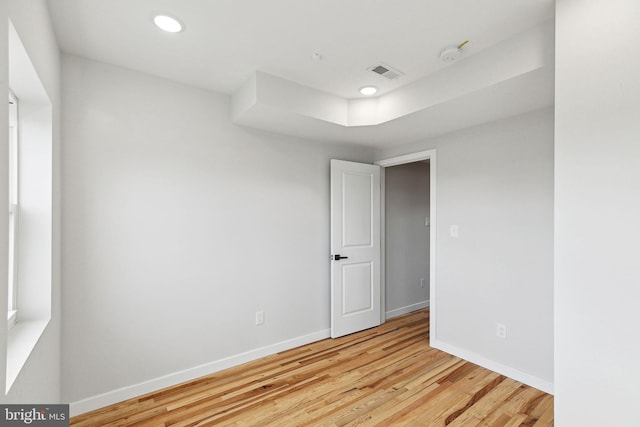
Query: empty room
[{"x": 305, "y": 212}]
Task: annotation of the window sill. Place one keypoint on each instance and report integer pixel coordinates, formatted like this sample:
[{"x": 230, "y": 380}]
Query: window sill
[
  {"x": 11, "y": 318},
  {"x": 22, "y": 339}
]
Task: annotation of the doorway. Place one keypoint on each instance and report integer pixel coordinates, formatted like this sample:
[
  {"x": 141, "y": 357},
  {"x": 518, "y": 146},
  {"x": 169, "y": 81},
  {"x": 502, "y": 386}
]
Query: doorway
[
  {"x": 418, "y": 157},
  {"x": 407, "y": 238}
]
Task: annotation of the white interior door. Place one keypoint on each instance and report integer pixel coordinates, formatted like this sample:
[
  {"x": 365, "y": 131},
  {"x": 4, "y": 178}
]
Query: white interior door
[{"x": 355, "y": 247}]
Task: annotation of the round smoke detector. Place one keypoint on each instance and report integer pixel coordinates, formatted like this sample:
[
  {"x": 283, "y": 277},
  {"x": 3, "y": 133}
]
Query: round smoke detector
[{"x": 450, "y": 54}]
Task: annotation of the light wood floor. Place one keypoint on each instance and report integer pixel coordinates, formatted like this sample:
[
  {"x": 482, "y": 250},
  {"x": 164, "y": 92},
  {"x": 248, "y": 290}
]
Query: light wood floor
[{"x": 385, "y": 376}]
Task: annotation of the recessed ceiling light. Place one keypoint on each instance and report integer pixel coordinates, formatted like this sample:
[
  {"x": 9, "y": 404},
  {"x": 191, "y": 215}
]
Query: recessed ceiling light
[
  {"x": 368, "y": 90},
  {"x": 168, "y": 23}
]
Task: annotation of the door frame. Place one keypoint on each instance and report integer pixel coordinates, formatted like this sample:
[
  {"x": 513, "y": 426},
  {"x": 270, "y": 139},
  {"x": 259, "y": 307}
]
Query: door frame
[{"x": 400, "y": 160}]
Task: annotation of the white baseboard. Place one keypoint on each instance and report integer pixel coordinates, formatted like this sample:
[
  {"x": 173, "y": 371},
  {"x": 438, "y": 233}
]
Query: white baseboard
[
  {"x": 129, "y": 392},
  {"x": 523, "y": 377},
  {"x": 407, "y": 309}
]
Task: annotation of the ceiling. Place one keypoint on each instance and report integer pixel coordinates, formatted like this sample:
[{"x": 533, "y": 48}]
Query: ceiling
[{"x": 226, "y": 41}]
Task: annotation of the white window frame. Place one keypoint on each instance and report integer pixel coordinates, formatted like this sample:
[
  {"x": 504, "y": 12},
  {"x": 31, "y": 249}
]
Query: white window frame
[
  {"x": 35, "y": 241},
  {"x": 14, "y": 203}
]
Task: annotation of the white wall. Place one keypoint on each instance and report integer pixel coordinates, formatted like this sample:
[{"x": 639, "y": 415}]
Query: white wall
[
  {"x": 39, "y": 379},
  {"x": 597, "y": 209},
  {"x": 407, "y": 237},
  {"x": 495, "y": 182},
  {"x": 178, "y": 226}
]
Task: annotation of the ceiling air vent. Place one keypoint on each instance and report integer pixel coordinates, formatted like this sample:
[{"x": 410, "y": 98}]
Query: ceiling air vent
[{"x": 385, "y": 71}]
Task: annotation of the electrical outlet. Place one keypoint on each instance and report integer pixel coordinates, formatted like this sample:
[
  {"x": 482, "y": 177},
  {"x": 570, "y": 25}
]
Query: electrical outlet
[
  {"x": 422, "y": 282},
  {"x": 501, "y": 331},
  {"x": 453, "y": 231},
  {"x": 260, "y": 317}
]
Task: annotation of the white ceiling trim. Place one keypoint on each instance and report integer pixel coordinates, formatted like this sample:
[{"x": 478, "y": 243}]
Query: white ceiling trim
[{"x": 295, "y": 107}]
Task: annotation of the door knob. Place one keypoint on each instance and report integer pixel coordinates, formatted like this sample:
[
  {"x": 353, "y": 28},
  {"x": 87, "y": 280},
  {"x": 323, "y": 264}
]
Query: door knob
[{"x": 338, "y": 257}]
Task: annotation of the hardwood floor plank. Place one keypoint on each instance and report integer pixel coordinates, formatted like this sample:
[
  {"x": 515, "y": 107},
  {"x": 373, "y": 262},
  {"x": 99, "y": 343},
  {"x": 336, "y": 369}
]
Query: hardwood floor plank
[
  {"x": 545, "y": 414},
  {"x": 385, "y": 376},
  {"x": 488, "y": 404}
]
